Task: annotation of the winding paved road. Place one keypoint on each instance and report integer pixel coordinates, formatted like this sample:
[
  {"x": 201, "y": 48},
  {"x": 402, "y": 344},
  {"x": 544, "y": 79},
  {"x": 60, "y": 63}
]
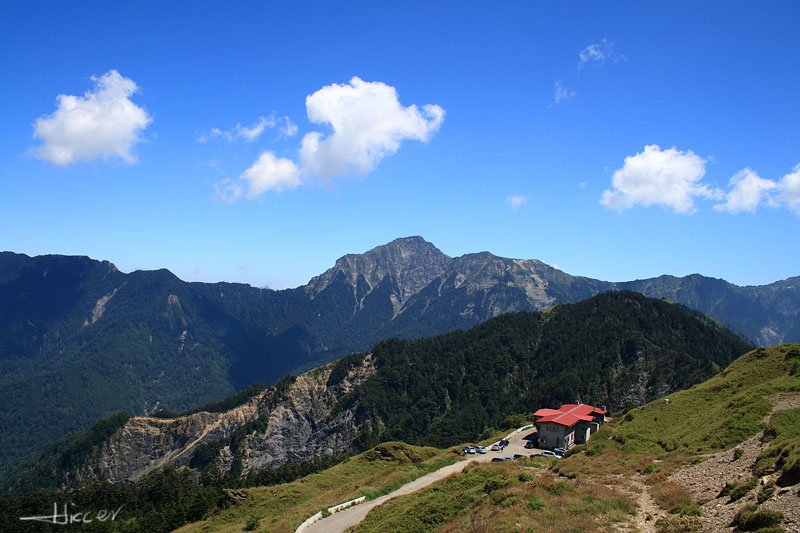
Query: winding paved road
[{"x": 339, "y": 522}]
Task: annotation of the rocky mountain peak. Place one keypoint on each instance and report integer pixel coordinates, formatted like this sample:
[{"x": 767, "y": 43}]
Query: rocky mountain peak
[{"x": 410, "y": 262}]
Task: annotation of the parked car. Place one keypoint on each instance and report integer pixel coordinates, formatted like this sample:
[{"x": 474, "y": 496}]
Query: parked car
[
  {"x": 504, "y": 443},
  {"x": 470, "y": 449},
  {"x": 481, "y": 449},
  {"x": 547, "y": 453},
  {"x": 530, "y": 445},
  {"x": 518, "y": 456},
  {"x": 559, "y": 451},
  {"x": 496, "y": 447},
  {"x": 497, "y": 459}
]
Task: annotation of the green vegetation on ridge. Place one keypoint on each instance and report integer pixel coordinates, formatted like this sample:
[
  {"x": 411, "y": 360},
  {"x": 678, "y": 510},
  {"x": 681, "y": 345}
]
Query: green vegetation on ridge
[{"x": 613, "y": 349}]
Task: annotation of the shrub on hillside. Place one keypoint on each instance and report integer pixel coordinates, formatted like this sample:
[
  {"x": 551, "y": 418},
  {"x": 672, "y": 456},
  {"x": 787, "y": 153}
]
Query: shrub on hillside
[
  {"x": 751, "y": 518},
  {"x": 736, "y": 491}
]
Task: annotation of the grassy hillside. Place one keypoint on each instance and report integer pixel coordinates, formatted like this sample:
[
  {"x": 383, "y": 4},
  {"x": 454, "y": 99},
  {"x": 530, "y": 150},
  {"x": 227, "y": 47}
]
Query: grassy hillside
[
  {"x": 503, "y": 497},
  {"x": 598, "y": 484},
  {"x": 284, "y": 507},
  {"x": 715, "y": 415}
]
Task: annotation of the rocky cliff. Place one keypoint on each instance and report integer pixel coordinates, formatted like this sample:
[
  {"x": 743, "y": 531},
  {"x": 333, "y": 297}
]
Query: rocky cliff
[{"x": 273, "y": 428}]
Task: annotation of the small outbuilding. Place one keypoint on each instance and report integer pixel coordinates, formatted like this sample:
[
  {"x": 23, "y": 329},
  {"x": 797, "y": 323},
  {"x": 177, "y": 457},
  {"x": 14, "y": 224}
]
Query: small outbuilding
[{"x": 572, "y": 423}]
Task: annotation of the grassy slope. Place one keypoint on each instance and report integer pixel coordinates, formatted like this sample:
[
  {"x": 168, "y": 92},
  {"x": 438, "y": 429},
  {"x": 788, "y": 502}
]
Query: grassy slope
[
  {"x": 503, "y": 497},
  {"x": 712, "y": 416},
  {"x": 372, "y": 473},
  {"x": 653, "y": 439}
]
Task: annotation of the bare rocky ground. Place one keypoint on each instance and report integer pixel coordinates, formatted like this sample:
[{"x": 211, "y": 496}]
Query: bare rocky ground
[{"x": 706, "y": 480}]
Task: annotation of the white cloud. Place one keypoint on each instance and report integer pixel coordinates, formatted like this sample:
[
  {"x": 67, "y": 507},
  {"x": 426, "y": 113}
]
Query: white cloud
[
  {"x": 271, "y": 173},
  {"x": 289, "y": 128},
  {"x": 670, "y": 178},
  {"x": 229, "y": 190},
  {"x": 268, "y": 173},
  {"x": 747, "y": 191},
  {"x": 790, "y": 190},
  {"x": 253, "y": 132},
  {"x": 368, "y": 123},
  {"x": 597, "y": 54},
  {"x": 561, "y": 93},
  {"x": 516, "y": 201},
  {"x": 103, "y": 123}
]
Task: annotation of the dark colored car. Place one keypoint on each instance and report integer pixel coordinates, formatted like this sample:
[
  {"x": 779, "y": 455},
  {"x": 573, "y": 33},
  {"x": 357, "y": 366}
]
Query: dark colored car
[{"x": 530, "y": 445}]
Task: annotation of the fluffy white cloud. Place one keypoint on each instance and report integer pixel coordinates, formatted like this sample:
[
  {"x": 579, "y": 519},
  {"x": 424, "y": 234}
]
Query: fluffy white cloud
[
  {"x": 670, "y": 178},
  {"x": 561, "y": 93},
  {"x": 368, "y": 123},
  {"x": 790, "y": 190},
  {"x": 599, "y": 53},
  {"x": 271, "y": 173},
  {"x": 747, "y": 192},
  {"x": 251, "y": 133},
  {"x": 516, "y": 201},
  {"x": 268, "y": 173},
  {"x": 103, "y": 123}
]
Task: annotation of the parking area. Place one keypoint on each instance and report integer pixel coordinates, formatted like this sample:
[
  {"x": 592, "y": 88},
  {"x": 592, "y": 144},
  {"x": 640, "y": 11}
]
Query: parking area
[{"x": 516, "y": 445}]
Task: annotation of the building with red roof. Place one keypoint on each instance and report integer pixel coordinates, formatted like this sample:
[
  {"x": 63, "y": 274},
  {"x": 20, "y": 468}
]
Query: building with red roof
[{"x": 572, "y": 423}]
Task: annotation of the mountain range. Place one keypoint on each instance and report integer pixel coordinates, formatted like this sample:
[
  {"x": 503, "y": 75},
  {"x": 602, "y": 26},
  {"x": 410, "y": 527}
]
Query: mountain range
[
  {"x": 80, "y": 339},
  {"x": 617, "y": 349}
]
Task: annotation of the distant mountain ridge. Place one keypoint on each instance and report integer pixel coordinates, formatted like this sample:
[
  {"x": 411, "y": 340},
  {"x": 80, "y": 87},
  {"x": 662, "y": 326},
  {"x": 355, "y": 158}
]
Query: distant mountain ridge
[
  {"x": 80, "y": 339},
  {"x": 617, "y": 349}
]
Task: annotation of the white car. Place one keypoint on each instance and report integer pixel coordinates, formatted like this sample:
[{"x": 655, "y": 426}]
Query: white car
[
  {"x": 481, "y": 449},
  {"x": 496, "y": 447}
]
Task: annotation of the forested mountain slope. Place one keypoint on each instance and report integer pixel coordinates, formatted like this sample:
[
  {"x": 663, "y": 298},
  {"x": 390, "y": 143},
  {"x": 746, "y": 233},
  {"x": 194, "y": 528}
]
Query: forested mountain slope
[
  {"x": 79, "y": 339},
  {"x": 615, "y": 349}
]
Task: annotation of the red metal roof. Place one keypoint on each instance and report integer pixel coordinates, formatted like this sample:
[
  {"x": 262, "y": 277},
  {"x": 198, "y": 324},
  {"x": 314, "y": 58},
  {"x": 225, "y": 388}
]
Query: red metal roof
[{"x": 569, "y": 414}]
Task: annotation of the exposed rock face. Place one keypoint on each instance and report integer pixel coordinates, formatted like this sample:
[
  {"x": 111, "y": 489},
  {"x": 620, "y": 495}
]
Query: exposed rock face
[
  {"x": 145, "y": 443},
  {"x": 300, "y": 425},
  {"x": 409, "y": 264}
]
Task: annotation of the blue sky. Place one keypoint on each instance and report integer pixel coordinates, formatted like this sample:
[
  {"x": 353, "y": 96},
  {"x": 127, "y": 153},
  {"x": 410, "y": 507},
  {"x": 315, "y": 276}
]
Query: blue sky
[{"x": 599, "y": 137}]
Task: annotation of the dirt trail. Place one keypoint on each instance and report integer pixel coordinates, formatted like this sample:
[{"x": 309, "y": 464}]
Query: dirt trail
[{"x": 648, "y": 511}]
